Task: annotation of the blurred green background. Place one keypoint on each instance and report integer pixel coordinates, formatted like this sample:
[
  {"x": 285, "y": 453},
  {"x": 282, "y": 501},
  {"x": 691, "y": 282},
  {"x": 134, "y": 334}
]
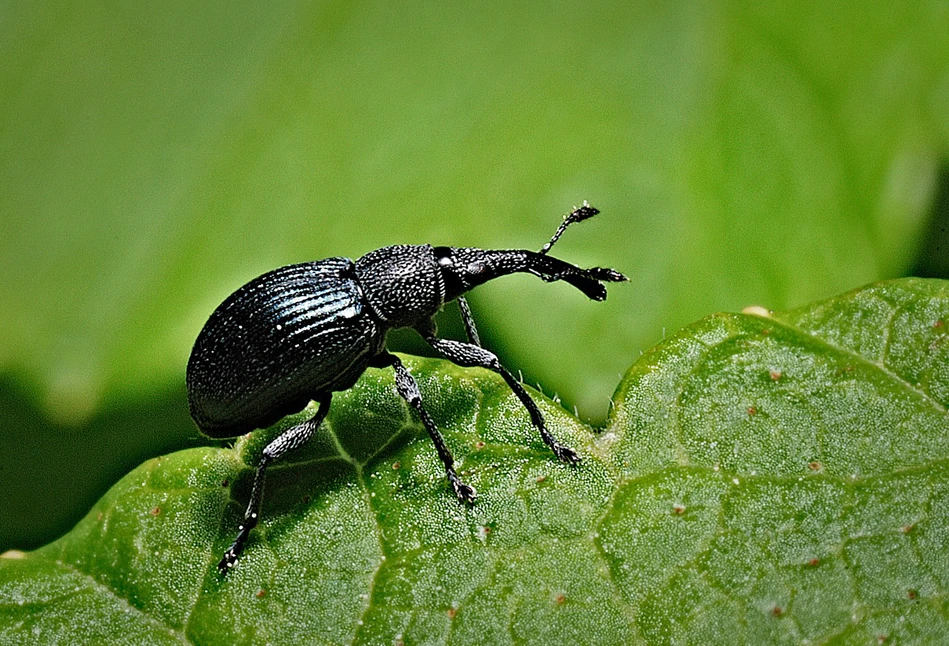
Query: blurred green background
[{"x": 155, "y": 156}]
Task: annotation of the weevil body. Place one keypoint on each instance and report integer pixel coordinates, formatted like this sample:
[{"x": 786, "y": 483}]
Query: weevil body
[{"x": 301, "y": 332}]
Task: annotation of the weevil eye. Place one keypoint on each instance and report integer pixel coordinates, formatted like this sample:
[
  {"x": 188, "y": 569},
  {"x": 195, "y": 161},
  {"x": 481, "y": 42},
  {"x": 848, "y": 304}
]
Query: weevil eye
[{"x": 455, "y": 284}]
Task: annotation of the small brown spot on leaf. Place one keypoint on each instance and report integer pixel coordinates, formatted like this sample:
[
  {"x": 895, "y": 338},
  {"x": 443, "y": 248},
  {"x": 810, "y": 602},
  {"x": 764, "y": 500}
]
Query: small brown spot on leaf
[
  {"x": 225, "y": 482},
  {"x": 938, "y": 324},
  {"x": 882, "y": 639},
  {"x": 752, "y": 411},
  {"x": 155, "y": 511},
  {"x": 766, "y": 331},
  {"x": 541, "y": 478},
  {"x": 814, "y": 465},
  {"x": 678, "y": 510},
  {"x": 100, "y": 516},
  {"x": 452, "y": 612},
  {"x": 261, "y": 593},
  {"x": 777, "y": 611},
  {"x": 479, "y": 445},
  {"x": 814, "y": 562},
  {"x": 906, "y": 529},
  {"x": 559, "y": 599},
  {"x": 775, "y": 374},
  {"x": 912, "y": 594},
  {"x": 396, "y": 466}
]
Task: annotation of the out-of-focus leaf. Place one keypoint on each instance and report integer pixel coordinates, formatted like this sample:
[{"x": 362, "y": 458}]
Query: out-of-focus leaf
[
  {"x": 762, "y": 479},
  {"x": 155, "y": 157}
]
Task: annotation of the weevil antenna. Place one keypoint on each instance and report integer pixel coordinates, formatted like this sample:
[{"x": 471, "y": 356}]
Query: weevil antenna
[{"x": 577, "y": 215}]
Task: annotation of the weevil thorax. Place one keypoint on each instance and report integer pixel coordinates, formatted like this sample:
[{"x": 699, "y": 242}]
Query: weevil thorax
[{"x": 401, "y": 283}]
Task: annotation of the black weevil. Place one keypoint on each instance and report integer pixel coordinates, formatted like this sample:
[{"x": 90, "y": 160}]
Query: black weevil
[{"x": 301, "y": 332}]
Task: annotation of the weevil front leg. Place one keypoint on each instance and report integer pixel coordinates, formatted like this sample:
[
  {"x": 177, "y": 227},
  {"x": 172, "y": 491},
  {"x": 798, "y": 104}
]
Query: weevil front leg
[
  {"x": 290, "y": 439},
  {"x": 470, "y": 330},
  {"x": 408, "y": 389},
  {"x": 468, "y": 355}
]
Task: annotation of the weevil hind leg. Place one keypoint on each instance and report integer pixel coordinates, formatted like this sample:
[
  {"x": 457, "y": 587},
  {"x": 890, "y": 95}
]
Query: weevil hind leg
[
  {"x": 289, "y": 440},
  {"x": 468, "y": 355},
  {"x": 408, "y": 389}
]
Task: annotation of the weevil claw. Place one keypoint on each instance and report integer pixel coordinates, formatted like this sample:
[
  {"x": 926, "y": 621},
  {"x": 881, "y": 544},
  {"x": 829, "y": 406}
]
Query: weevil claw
[
  {"x": 226, "y": 563},
  {"x": 566, "y": 454},
  {"x": 466, "y": 493}
]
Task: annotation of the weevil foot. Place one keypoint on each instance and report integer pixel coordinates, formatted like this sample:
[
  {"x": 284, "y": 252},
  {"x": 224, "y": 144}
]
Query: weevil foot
[
  {"x": 565, "y": 453},
  {"x": 234, "y": 551},
  {"x": 229, "y": 561},
  {"x": 465, "y": 493}
]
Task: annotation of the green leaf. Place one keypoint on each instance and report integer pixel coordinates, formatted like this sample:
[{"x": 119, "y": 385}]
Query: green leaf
[
  {"x": 157, "y": 156},
  {"x": 779, "y": 478}
]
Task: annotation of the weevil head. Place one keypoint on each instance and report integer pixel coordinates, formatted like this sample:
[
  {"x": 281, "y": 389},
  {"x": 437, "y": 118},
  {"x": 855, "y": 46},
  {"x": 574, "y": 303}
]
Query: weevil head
[
  {"x": 402, "y": 283},
  {"x": 464, "y": 268}
]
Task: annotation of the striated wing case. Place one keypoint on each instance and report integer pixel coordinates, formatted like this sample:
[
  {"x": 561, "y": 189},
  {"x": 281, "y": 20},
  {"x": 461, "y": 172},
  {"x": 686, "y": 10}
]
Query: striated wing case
[{"x": 277, "y": 342}]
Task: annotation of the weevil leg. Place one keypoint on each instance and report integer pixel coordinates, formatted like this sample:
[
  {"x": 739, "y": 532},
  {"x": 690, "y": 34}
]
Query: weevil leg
[
  {"x": 470, "y": 329},
  {"x": 290, "y": 439},
  {"x": 408, "y": 389},
  {"x": 468, "y": 355}
]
